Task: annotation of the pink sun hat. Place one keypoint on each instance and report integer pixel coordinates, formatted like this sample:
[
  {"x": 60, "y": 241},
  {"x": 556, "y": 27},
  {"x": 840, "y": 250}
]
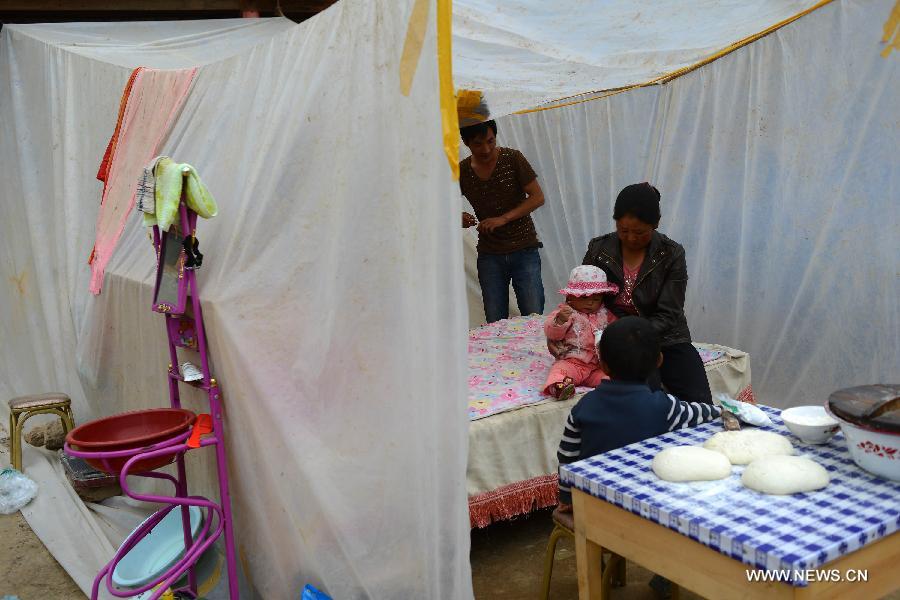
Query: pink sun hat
[{"x": 587, "y": 280}]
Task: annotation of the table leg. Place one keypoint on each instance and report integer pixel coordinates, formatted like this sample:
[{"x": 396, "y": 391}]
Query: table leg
[{"x": 587, "y": 556}]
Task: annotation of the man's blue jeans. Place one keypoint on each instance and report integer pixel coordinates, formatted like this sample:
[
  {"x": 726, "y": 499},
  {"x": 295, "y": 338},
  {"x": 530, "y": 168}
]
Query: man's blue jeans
[{"x": 523, "y": 268}]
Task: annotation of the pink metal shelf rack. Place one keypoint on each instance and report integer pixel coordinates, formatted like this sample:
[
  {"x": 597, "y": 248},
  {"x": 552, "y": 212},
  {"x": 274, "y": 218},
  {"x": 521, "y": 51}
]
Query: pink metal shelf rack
[{"x": 175, "y": 286}]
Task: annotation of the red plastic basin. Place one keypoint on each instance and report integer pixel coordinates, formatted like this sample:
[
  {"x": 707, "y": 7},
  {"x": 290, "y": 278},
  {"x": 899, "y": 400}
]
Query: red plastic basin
[{"x": 130, "y": 431}]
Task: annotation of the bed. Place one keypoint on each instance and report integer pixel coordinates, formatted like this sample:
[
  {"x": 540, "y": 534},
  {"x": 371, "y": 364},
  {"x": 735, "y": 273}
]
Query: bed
[{"x": 514, "y": 430}]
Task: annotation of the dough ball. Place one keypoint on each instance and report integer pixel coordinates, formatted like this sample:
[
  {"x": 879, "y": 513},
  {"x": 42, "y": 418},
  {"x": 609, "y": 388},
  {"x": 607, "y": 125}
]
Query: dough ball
[
  {"x": 690, "y": 463},
  {"x": 784, "y": 475},
  {"x": 744, "y": 446}
]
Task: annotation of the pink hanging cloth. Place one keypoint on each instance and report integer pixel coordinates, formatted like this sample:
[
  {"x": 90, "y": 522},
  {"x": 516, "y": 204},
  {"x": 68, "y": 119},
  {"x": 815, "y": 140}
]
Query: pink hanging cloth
[{"x": 150, "y": 103}]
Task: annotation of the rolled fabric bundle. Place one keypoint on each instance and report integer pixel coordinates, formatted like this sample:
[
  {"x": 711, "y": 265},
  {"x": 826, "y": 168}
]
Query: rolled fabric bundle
[{"x": 471, "y": 109}]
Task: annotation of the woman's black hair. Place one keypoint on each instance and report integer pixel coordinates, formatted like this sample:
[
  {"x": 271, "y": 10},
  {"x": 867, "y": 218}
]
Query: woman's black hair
[
  {"x": 640, "y": 200},
  {"x": 473, "y": 131}
]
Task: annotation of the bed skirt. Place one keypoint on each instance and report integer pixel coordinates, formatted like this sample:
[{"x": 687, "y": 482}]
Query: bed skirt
[
  {"x": 519, "y": 498},
  {"x": 520, "y": 446}
]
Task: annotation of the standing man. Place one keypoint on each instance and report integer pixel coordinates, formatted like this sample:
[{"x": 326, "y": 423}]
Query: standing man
[{"x": 502, "y": 188}]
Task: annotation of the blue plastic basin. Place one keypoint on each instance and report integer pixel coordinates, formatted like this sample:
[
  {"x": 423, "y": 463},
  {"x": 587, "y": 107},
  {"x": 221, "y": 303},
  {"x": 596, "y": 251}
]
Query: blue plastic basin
[{"x": 157, "y": 551}]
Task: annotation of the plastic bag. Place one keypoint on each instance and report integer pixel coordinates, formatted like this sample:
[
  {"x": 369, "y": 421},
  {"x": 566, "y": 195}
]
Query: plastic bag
[
  {"x": 16, "y": 490},
  {"x": 311, "y": 593},
  {"x": 190, "y": 372},
  {"x": 744, "y": 411}
]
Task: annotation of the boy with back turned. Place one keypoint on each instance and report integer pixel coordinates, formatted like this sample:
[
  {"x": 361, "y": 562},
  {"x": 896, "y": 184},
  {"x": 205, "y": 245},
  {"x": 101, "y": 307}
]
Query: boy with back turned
[{"x": 623, "y": 410}]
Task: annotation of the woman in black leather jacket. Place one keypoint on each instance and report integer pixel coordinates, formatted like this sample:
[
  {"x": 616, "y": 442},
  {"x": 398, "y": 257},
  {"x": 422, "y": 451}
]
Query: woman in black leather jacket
[{"x": 651, "y": 273}]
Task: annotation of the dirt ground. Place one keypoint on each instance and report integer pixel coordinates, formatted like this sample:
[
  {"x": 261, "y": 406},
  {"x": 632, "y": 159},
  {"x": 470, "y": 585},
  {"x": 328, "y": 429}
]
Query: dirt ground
[
  {"x": 507, "y": 564},
  {"x": 27, "y": 569}
]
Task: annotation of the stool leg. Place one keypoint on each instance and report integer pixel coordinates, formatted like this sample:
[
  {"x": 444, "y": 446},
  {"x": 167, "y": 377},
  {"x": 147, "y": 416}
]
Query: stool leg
[
  {"x": 15, "y": 440},
  {"x": 548, "y": 561},
  {"x": 606, "y": 577},
  {"x": 16, "y": 464},
  {"x": 619, "y": 576},
  {"x": 68, "y": 419}
]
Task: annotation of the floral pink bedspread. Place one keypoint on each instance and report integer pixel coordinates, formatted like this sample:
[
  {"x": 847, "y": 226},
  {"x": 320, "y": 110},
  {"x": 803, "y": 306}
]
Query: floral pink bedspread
[{"x": 508, "y": 363}]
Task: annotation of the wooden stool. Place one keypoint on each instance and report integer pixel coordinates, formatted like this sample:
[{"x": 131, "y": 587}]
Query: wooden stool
[
  {"x": 613, "y": 567},
  {"x": 24, "y": 407},
  {"x": 564, "y": 524}
]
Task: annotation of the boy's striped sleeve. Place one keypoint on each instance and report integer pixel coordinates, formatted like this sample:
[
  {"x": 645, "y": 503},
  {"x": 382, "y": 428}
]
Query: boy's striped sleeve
[
  {"x": 689, "y": 414},
  {"x": 569, "y": 452}
]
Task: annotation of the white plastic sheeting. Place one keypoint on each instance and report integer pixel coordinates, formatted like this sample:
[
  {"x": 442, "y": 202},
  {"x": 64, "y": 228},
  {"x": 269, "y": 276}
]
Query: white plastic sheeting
[
  {"x": 523, "y": 53},
  {"x": 164, "y": 45},
  {"x": 779, "y": 173},
  {"x": 336, "y": 325}
]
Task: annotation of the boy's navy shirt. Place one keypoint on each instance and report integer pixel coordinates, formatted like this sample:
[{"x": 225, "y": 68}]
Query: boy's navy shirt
[{"x": 618, "y": 413}]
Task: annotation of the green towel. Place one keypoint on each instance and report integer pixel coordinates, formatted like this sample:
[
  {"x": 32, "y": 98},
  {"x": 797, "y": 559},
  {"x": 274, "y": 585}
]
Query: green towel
[
  {"x": 170, "y": 178},
  {"x": 198, "y": 197}
]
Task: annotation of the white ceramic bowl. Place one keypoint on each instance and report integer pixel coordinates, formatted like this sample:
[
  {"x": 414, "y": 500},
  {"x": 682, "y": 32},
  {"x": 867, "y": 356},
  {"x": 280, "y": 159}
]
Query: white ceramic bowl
[
  {"x": 877, "y": 452},
  {"x": 812, "y": 424}
]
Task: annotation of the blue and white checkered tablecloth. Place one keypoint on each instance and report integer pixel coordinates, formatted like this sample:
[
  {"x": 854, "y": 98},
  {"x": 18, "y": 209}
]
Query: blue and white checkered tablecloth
[{"x": 796, "y": 533}]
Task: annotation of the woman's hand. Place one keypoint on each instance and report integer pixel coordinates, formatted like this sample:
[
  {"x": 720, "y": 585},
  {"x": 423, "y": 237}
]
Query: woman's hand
[{"x": 468, "y": 220}]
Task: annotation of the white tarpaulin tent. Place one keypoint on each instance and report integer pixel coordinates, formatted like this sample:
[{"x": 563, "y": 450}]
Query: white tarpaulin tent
[
  {"x": 336, "y": 334},
  {"x": 523, "y": 54},
  {"x": 337, "y": 328},
  {"x": 777, "y": 164}
]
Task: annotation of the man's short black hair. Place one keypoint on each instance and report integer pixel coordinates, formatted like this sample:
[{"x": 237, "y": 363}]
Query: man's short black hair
[
  {"x": 473, "y": 131},
  {"x": 640, "y": 200},
  {"x": 630, "y": 349}
]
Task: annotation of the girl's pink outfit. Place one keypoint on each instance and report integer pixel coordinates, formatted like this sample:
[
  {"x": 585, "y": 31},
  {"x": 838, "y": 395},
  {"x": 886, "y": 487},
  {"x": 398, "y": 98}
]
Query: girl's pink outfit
[{"x": 572, "y": 344}]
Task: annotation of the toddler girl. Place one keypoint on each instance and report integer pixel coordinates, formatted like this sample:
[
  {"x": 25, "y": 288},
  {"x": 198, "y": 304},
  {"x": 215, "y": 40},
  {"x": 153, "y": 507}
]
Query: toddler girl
[{"x": 573, "y": 331}]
